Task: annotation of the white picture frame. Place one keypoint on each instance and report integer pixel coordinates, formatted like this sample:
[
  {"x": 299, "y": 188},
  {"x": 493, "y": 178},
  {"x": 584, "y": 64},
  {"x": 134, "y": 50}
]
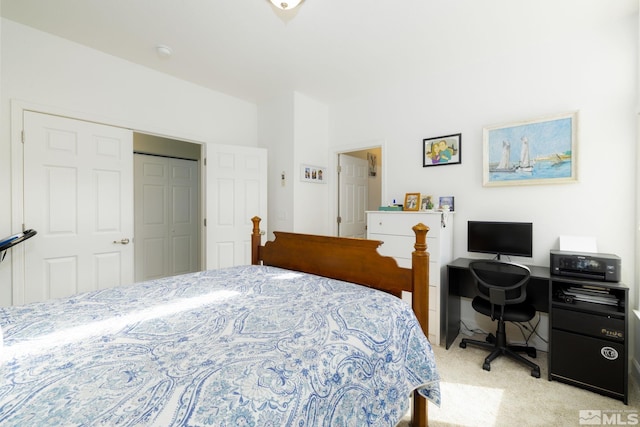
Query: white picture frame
[{"x": 314, "y": 174}]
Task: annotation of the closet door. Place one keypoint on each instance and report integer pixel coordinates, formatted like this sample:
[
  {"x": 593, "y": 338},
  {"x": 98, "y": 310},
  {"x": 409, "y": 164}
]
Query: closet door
[
  {"x": 236, "y": 179},
  {"x": 166, "y": 216},
  {"x": 78, "y": 196}
]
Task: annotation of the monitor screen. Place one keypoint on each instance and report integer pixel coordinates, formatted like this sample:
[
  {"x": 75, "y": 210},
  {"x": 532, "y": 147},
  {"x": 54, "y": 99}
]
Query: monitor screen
[{"x": 500, "y": 238}]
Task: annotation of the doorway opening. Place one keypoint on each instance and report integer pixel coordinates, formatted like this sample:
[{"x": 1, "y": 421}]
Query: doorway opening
[
  {"x": 359, "y": 189},
  {"x": 167, "y": 207}
]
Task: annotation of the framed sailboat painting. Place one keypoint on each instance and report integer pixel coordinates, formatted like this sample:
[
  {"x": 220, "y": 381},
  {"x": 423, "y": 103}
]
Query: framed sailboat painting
[{"x": 541, "y": 151}]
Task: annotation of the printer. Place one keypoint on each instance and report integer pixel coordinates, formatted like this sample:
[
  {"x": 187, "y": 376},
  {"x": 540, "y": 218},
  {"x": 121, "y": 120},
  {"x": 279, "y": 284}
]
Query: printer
[{"x": 586, "y": 265}]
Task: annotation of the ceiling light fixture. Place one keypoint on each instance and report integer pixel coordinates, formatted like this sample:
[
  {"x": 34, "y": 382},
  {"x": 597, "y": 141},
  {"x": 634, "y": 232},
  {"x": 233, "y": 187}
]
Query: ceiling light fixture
[
  {"x": 285, "y": 5},
  {"x": 164, "y": 51}
]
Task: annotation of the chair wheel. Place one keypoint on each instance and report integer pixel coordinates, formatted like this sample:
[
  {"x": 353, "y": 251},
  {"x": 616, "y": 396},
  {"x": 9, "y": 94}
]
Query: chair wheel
[
  {"x": 535, "y": 372},
  {"x": 487, "y": 367},
  {"x": 463, "y": 344}
]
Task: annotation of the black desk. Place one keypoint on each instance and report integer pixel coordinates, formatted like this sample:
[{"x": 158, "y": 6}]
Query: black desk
[{"x": 460, "y": 284}]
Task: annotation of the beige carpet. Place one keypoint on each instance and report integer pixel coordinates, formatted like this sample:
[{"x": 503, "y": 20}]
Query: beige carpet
[{"x": 508, "y": 395}]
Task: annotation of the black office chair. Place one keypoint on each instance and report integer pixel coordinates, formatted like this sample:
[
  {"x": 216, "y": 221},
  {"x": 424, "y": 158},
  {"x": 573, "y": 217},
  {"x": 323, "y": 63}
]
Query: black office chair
[{"x": 502, "y": 291}]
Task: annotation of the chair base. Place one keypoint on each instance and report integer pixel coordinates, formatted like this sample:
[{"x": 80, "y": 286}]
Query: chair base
[{"x": 501, "y": 348}]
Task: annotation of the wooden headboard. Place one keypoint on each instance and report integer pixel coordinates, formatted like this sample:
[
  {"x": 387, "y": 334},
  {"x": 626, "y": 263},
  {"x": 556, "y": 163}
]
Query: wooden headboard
[{"x": 356, "y": 261}]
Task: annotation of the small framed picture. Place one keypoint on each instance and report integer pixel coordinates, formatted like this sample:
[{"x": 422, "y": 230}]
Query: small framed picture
[
  {"x": 412, "y": 202},
  {"x": 443, "y": 150},
  {"x": 446, "y": 203},
  {"x": 426, "y": 203},
  {"x": 372, "y": 159},
  {"x": 311, "y": 173}
]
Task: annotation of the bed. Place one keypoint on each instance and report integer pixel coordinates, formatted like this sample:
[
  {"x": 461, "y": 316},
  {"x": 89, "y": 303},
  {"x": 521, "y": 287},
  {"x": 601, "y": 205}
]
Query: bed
[{"x": 292, "y": 340}]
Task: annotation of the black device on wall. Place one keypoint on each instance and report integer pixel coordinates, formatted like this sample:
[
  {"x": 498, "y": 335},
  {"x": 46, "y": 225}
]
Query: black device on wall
[
  {"x": 11, "y": 241},
  {"x": 500, "y": 238}
]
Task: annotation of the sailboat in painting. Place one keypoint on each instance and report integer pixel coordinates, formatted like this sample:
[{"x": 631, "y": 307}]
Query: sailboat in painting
[
  {"x": 526, "y": 164},
  {"x": 504, "y": 165}
]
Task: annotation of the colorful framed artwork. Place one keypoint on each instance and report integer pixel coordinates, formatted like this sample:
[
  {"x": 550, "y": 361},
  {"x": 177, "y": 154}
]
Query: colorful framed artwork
[
  {"x": 443, "y": 150},
  {"x": 541, "y": 151}
]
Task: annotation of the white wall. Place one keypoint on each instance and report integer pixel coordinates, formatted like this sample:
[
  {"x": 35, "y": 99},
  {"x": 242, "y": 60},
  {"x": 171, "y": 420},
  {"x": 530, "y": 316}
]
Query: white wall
[
  {"x": 311, "y": 142},
  {"x": 294, "y": 129},
  {"x": 513, "y": 64},
  {"x": 42, "y": 70},
  {"x": 275, "y": 129},
  {"x": 586, "y": 63}
]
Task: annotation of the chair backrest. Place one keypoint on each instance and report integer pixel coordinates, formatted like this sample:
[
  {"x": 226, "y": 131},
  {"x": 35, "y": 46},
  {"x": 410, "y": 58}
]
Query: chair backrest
[{"x": 501, "y": 283}]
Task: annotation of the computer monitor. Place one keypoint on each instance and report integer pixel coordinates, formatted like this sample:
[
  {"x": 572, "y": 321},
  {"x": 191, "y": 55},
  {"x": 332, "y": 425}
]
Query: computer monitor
[{"x": 500, "y": 238}]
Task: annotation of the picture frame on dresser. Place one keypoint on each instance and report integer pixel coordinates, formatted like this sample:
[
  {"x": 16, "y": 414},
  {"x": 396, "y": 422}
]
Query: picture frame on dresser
[
  {"x": 426, "y": 202},
  {"x": 411, "y": 202},
  {"x": 446, "y": 203}
]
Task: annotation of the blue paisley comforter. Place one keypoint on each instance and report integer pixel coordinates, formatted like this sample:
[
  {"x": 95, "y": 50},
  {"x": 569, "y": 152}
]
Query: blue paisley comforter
[{"x": 243, "y": 346}]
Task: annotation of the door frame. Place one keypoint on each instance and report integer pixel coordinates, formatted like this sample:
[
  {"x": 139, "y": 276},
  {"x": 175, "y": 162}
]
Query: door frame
[
  {"x": 18, "y": 107},
  {"x": 333, "y": 210}
]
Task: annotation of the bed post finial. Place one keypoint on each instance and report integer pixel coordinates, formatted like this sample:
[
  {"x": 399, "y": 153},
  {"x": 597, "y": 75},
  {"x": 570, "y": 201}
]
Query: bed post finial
[
  {"x": 420, "y": 271},
  {"x": 421, "y": 237},
  {"x": 256, "y": 240}
]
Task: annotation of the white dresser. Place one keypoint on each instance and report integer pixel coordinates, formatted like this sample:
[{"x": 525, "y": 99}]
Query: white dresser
[{"x": 394, "y": 228}]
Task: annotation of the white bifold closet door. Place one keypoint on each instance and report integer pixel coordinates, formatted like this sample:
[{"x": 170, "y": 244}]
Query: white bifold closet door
[{"x": 167, "y": 231}]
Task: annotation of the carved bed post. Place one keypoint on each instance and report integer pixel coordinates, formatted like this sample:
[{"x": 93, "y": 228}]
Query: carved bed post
[
  {"x": 420, "y": 265},
  {"x": 256, "y": 239},
  {"x": 420, "y": 302}
]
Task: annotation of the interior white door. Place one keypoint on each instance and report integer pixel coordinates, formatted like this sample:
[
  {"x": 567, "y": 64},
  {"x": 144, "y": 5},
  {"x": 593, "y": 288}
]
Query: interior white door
[
  {"x": 236, "y": 180},
  {"x": 78, "y": 195},
  {"x": 166, "y": 216},
  {"x": 353, "y": 196}
]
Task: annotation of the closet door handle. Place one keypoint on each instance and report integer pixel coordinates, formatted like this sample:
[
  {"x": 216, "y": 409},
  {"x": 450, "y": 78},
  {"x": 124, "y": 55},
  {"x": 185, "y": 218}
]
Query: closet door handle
[{"x": 124, "y": 241}]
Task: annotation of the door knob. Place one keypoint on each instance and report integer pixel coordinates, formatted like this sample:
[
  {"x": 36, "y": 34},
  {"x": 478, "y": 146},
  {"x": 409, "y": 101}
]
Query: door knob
[{"x": 124, "y": 241}]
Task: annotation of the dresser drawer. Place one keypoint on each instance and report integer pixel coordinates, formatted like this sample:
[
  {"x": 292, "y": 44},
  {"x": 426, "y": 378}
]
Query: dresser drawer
[
  {"x": 402, "y": 223},
  {"x": 434, "y": 270},
  {"x": 402, "y": 246}
]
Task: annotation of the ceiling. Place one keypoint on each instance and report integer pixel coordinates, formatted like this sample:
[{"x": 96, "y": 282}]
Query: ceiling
[{"x": 327, "y": 49}]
